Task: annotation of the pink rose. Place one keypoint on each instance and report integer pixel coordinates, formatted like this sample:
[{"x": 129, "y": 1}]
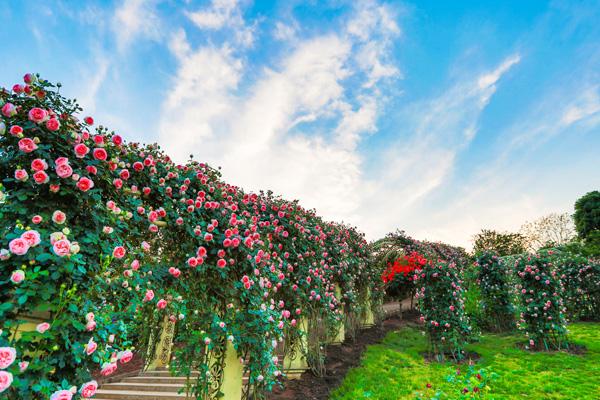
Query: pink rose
[
  {"x": 17, "y": 276},
  {"x": 117, "y": 140},
  {"x": 7, "y": 356},
  {"x": 149, "y": 295},
  {"x": 9, "y": 110},
  {"x": 61, "y": 161},
  {"x": 39, "y": 165},
  {"x": 64, "y": 170},
  {"x": 36, "y": 219},
  {"x": 161, "y": 304},
  {"x": 27, "y": 145},
  {"x": 23, "y": 365},
  {"x": 54, "y": 188},
  {"x": 31, "y": 237},
  {"x": 99, "y": 140},
  {"x": 53, "y": 124},
  {"x": 16, "y": 130},
  {"x": 126, "y": 356},
  {"x": 90, "y": 325},
  {"x": 6, "y": 379},
  {"x": 119, "y": 252},
  {"x": 38, "y": 115},
  {"x": 108, "y": 369},
  {"x": 62, "y": 247},
  {"x": 81, "y": 150},
  {"x": 100, "y": 154},
  {"x": 91, "y": 347},
  {"x": 59, "y": 217},
  {"x": 88, "y": 389},
  {"x": 41, "y": 177},
  {"x": 85, "y": 184},
  {"x": 21, "y": 175},
  {"x": 90, "y": 316},
  {"x": 43, "y": 327},
  {"x": 89, "y": 120},
  {"x": 18, "y": 246},
  {"x": 62, "y": 395}
]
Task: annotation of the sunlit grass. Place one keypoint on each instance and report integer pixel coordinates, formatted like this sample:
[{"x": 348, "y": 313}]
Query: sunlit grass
[{"x": 394, "y": 369}]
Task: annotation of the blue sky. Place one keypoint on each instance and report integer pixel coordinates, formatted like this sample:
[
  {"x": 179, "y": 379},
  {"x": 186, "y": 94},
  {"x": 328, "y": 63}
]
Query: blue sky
[{"x": 440, "y": 118}]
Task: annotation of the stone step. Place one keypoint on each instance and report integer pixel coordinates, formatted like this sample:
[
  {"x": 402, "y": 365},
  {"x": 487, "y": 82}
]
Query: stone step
[
  {"x": 103, "y": 394},
  {"x": 158, "y": 379},
  {"x": 164, "y": 372},
  {"x": 144, "y": 387}
]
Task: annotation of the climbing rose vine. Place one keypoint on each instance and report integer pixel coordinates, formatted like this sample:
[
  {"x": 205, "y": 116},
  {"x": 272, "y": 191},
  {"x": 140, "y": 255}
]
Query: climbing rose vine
[
  {"x": 496, "y": 292},
  {"x": 440, "y": 298},
  {"x": 543, "y": 310},
  {"x": 104, "y": 241}
]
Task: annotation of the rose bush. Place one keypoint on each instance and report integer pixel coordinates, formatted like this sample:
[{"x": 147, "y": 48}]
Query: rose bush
[
  {"x": 494, "y": 281},
  {"x": 440, "y": 299},
  {"x": 541, "y": 292},
  {"x": 104, "y": 240}
]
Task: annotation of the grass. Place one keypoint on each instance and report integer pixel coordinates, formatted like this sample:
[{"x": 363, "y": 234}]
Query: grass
[{"x": 394, "y": 369}]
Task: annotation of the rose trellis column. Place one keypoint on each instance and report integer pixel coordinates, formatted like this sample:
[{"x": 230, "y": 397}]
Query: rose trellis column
[{"x": 162, "y": 352}]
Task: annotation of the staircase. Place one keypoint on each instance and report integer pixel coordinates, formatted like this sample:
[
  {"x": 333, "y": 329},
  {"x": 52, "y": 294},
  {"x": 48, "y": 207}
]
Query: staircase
[{"x": 150, "y": 385}]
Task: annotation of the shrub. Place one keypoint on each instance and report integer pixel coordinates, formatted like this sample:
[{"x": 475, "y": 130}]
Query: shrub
[
  {"x": 581, "y": 279},
  {"x": 399, "y": 275},
  {"x": 104, "y": 240},
  {"x": 496, "y": 294},
  {"x": 440, "y": 298},
  {"x": 543, "y": 310}
]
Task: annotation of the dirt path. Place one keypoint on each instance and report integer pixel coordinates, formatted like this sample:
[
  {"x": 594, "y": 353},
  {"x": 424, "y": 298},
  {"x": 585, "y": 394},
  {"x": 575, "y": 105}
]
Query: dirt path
[{"x": 340, "y": 359}]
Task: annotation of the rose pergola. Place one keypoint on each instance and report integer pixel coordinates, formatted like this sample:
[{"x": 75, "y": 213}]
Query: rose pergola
[{"x": 104, "y": 240}]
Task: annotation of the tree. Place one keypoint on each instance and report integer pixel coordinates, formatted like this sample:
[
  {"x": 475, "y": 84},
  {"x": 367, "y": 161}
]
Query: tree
[
  {"x": 587, "y": 214},
  {"x": 502, "y": 243},
  {"x": 548, "y": 231}
]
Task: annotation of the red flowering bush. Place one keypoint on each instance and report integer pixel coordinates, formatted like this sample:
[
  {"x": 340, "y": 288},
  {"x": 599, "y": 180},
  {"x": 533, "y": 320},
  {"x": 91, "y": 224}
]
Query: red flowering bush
[
  {"x": 543, "y": 310},
  {"x": 496, "y": 290},
  {"x": 102, "y": 240},
  {"x": 440, "y": 299},
  {"x": 399, "y": 275}
]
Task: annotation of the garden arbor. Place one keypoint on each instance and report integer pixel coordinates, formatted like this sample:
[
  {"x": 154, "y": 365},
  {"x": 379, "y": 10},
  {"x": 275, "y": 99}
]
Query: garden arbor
[{"x": 112, "y": 239}]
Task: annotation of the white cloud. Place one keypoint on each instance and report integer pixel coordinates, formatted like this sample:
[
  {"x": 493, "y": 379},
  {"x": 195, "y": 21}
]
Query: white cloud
[
  {"x": 134, "y": 18},
  {"x": 260, "y": 134},
  {"x": 224, "y": 14},
  {"x": 285, "y": 31}
]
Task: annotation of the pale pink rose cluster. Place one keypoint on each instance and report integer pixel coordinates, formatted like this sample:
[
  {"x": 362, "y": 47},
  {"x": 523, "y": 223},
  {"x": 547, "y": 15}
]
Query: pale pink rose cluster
[
  {"x": 7, "y": 356},
  {"x": 21, "y": 245}
]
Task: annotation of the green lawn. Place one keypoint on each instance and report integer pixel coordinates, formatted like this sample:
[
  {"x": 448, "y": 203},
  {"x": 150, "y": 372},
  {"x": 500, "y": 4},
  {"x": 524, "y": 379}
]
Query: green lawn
[{"x": 394, "y": 369}]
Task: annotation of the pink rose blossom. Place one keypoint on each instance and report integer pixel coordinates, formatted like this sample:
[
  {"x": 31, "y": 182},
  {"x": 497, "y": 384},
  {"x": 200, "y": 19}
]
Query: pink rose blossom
[
  {"x": 7, "y": 356},
  {"x": 62, "y": 247},
  {"x": 149, "y": 295},
  {"x": 100, "y": 154},
  {"x": 161, "y": 304},
  {"x": 108, "y": 369},
  {"x": 88, "y": 389},
  {"x": 81, "y": 150},
  {"x": 59, "y": 217},
  {"x": 9, "y": 110},
  {"x": 117, "y": 140},
  {"x": 18, "y": 246},
  {"x": 90, "y": 325},
  {"x": 41, "y": 177},
  {"x": 39, "y": 165},
  {"x": 62, "y": 395},
  {"x": 85, "y": 184},
  {"x": 126, "y": 356},
  {"x": 90, "y": 347},
  {"x": 43, "y": 327},
  {"x": 89, "y": 120},
  {"x": 31, "y": 237},
  {"x": 53, "y": 124},
  {"x": 38, "y": 115},
  {"x": 21, "y": 175},
  {"x": 6, "y": 379},
  {"x": 23, "y": 365},
  {"x": 119, "y": 252},
  {"x": 16, "y": 130},
  {"x": 27, "y": 145},
  {"x": 17, "y": 276}
]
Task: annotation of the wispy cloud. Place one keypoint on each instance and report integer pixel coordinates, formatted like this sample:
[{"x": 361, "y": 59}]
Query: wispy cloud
[{"x": 134, "y": 18}]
